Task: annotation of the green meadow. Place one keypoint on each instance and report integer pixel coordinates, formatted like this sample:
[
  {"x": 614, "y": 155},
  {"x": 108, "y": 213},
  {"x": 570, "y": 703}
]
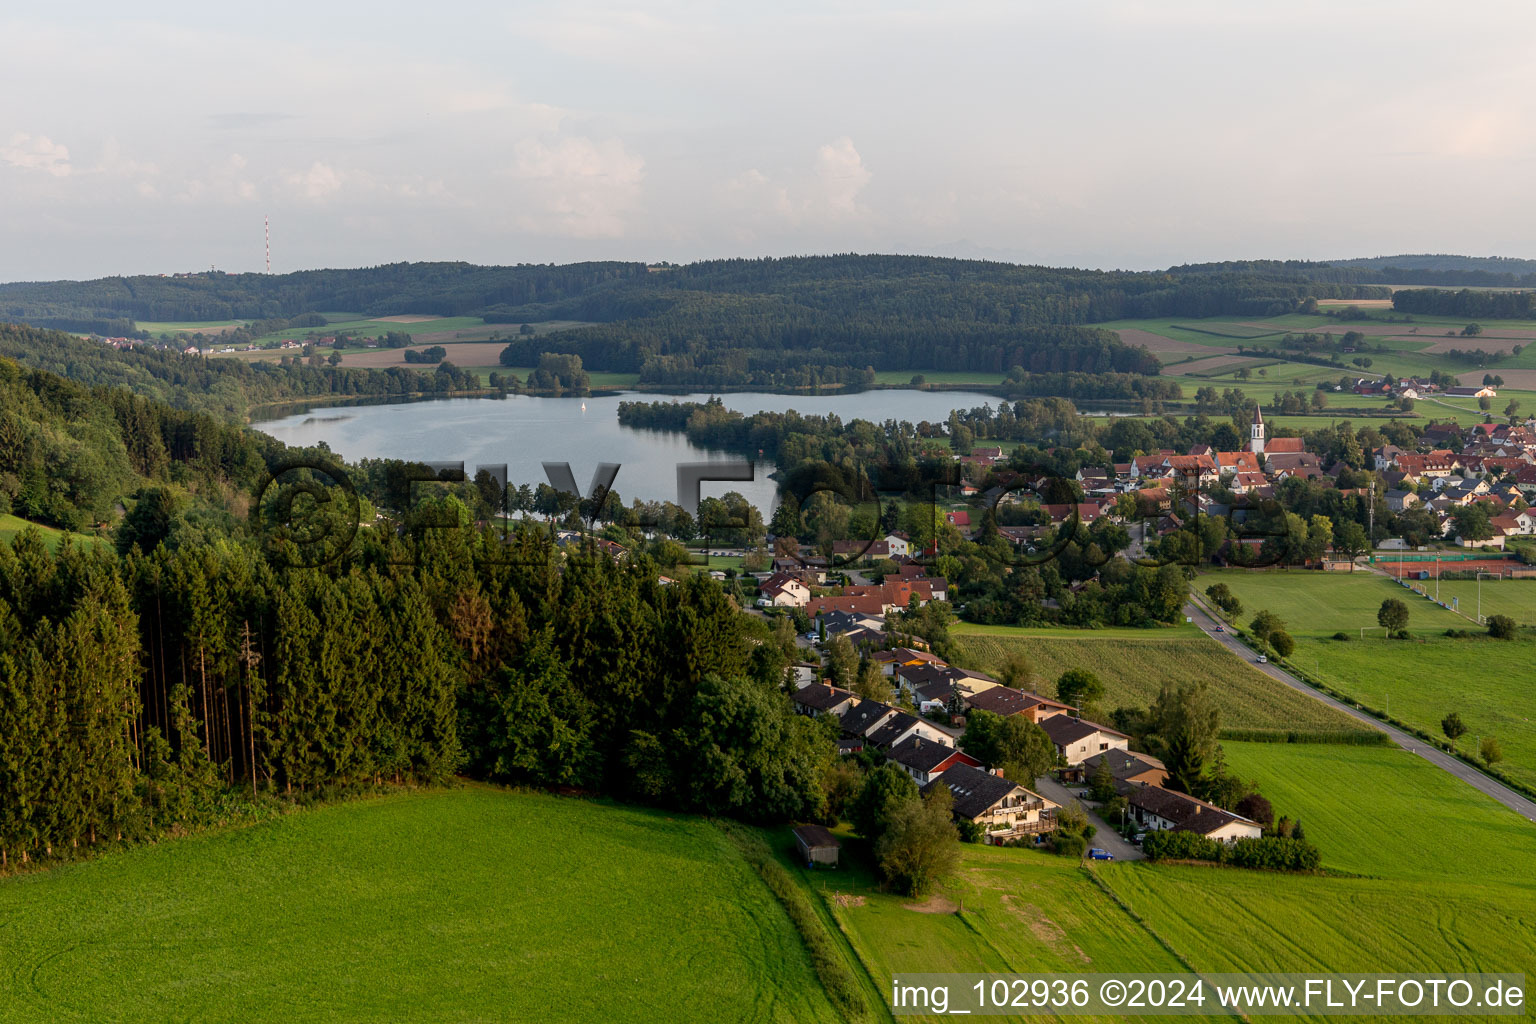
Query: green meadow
[
  {"x": 1418, "y": 681},
  {"x": 12, "y": 526},
  {"x": 472, "y": 905},
  {"x": 1443, "y": 874}
]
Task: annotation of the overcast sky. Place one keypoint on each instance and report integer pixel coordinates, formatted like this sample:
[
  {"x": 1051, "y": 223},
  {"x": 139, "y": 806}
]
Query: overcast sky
[{"x": 154, "y": 137}]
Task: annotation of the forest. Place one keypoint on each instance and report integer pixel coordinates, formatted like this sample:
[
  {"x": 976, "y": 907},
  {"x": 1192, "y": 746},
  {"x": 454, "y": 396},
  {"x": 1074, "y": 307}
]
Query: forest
[
  {"x": 1474, "y": 305},
  {"x": 227, "y": 388},
  {"x": 146, "y": 685},
  {"x": 765, "y": 322}
]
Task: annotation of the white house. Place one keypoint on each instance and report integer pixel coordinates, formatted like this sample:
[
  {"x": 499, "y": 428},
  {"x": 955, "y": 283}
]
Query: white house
[
  {"x": 1077, "y": 738},
  {"x": 784, "y": 591},
  {"x": 1158, "y": 809}
]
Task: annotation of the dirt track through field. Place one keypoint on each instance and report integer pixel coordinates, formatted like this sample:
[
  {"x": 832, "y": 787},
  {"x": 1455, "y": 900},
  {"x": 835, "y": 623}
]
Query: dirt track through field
[
  {"x": 1161, "y": 346},
  {"x": 1211, "y": 365},
  {"x": 1411, "y": 332},
  {"x": 1488, "y": 343},
  {"x": 405, "y": 319}
]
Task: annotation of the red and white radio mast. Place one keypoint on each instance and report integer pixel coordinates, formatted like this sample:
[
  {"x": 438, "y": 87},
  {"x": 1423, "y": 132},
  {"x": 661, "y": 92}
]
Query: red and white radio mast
[{"x": 267, "y": 224}]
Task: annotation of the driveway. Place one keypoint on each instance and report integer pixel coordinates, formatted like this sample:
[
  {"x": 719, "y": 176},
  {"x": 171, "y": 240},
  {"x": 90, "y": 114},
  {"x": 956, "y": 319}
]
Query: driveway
[
  {"x": 1440, "y": 759},
  {"x": 1106, "y": 838}
]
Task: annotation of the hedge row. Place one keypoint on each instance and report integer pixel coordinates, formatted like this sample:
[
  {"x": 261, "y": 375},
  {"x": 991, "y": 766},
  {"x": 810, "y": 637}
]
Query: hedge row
[{"x": 1274, "y": 853}]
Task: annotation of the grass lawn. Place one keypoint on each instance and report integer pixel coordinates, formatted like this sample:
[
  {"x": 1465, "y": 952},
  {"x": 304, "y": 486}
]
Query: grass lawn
[
  {"x": 1449, "y": 887},
  {"x": 11, "y": 526},
  {"x": 1485, "y": 681},
  {"x": 1364, "y": 808},
  {"x": 1323, "y": 603},
  {"x": 1134, "y": 670},
  {"x": 1005, "y": 911},
  {"x": 473, "y": 904}
]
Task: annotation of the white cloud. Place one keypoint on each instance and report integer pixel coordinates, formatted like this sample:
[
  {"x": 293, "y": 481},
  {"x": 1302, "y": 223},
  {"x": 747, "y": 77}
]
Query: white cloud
[
  {"x": 320, "y": 182},
  {"x": 577, "y": 187},
  {"x": 828, "y": 192},
  {"x": 841, "y": 175},
  {"x": 37, "y": 153}
]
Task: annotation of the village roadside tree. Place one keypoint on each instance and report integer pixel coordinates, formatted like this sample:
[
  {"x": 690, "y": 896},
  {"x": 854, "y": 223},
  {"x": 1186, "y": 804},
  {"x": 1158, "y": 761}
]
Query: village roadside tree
[
  {"x": 1490, "y": 750},
  {"x": 1256, "y": 807},
  {"x": 1502, "y": 627},
  {"x": 1079, "y": 688},
  {"x": 1185, "y": 722},
  {"x": 1282, "y": 643},
  {"x": 1350, "y": 538},
  {"x": 1102, "y": 782},
  {"x": 1015, "y": 744},
  {"x": 1265, "y": 623},
  {"x": 919, "y": 845},
  {"x": 1393, "y": 617},
  {"x": 884, "y": 791},
  {"x": 1453, "y": 727}
]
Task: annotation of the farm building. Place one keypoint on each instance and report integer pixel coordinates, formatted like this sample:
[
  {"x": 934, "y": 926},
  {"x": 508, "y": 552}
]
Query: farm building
[{"x": 816, "y": 845}]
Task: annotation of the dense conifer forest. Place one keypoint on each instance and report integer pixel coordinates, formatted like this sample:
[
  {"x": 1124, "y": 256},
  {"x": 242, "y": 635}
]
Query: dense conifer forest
[{"x": 201, "y": 661}]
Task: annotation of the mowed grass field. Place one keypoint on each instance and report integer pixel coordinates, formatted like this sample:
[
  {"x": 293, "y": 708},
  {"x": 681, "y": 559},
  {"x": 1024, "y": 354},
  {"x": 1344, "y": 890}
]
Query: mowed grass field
[
  {"x": 12, "y": 526},
  {"x": 1005, "y": 911},
  {"x": 1135, "y": 668},
  {"x": 1485, "y": 681},
  {"x": 473, "y": 904},
  {"x": 1448, "y": 886},
  {"x": 1419, "y": 682},
  {"x": 1323, "y": 603}
]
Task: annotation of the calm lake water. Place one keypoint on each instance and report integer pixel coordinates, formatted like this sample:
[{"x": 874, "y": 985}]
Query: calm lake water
[{"x": 524, "y": 431}]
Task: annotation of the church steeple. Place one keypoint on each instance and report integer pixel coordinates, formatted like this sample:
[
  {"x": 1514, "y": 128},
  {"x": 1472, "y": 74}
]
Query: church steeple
[{"x": 1256, "y": 433}]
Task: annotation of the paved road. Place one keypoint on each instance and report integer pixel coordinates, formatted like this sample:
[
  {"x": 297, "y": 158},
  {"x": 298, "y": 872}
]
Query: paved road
[
  {"x": 1106, "y": 838},
  {"x": 1466, "y": 773}
]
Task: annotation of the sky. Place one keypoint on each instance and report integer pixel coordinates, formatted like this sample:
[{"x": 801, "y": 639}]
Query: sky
[{"x": 155, "y": 137}]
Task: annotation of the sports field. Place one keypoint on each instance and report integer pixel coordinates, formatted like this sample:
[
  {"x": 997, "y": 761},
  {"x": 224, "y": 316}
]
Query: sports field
[
  {"x": 472, "y": 904},
  {"x": 1135, "y": 668},
  {"x": 1323, "y": 603}
]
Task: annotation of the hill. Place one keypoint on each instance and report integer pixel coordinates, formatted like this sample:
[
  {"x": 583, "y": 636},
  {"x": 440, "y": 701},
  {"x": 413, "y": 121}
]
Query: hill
[
  {"x": 459, "y": 905},
  {"x": 792, "y": 321}
]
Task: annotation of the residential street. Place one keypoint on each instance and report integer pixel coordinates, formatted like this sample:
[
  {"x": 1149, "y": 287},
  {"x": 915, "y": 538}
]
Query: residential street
[
  {"x": 1106, "y": 838},
  {"x": 1463, "y": 771}
]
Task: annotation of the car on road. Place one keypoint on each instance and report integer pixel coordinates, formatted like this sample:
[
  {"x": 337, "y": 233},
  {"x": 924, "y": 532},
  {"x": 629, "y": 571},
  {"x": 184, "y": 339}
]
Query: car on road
[
  {"x": 1098, "y": 854},
  {"x": 1138, "y": 838},
  {"x": 1220, "y": 629},
  {"x": 1262, "y": 660}
]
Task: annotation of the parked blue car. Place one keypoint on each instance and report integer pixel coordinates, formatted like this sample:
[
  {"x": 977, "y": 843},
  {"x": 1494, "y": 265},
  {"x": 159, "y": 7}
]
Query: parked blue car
[{"x": 1098, "y": 854}]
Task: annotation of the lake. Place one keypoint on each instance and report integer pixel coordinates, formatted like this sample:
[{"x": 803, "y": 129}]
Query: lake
[{"x": 524, "y": 431}]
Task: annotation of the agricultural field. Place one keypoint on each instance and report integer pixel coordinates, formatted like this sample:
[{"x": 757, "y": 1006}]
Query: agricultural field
[
  {"x": 1005, "y": 911},
  {"x": 473, "y": 904},
  {"x": 1135, "y": 668},
  {"x": 1323, "y": 603},
  {"x": 11, "y": 526},
  {"x": 1416, "y": 348},
  {"x": 1445, "y": 887}
]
